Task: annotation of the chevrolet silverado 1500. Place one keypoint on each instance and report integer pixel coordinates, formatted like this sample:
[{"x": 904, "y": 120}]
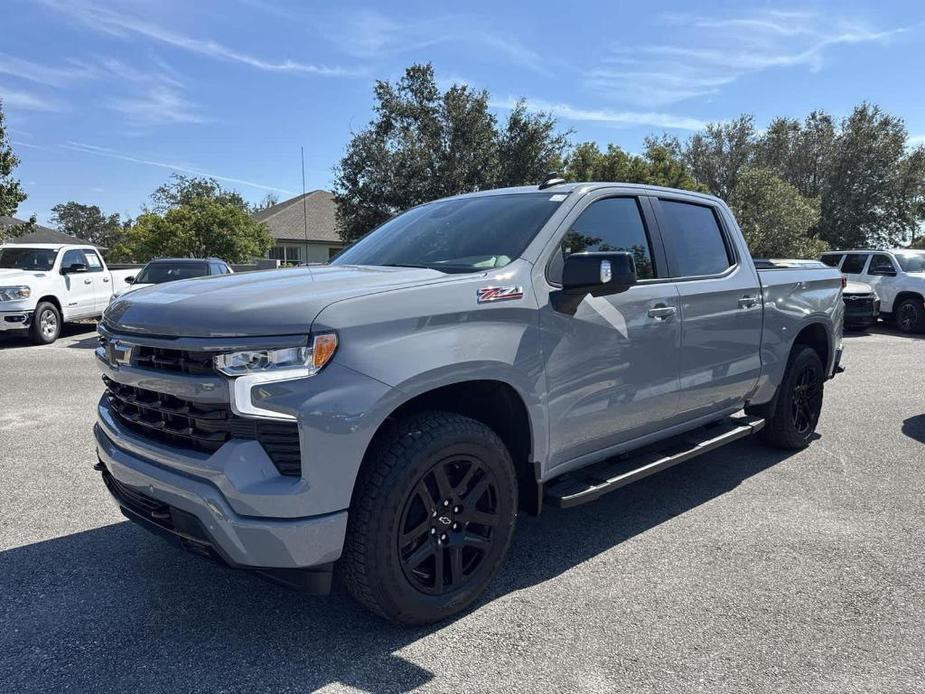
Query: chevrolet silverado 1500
[{"x": 471, "y": 358}]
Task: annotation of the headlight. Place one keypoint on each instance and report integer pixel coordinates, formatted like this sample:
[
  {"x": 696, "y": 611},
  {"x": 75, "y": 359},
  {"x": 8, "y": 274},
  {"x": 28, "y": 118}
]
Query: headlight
[
  {"x": 14, "y": 293},
  {"x": 258, "y": 367},
  {"x": 300, "y": 361}
]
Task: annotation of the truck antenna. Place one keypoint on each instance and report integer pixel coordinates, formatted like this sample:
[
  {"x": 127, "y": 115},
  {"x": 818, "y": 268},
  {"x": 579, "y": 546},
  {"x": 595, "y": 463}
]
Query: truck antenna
[{"x": 305, "y": 212}]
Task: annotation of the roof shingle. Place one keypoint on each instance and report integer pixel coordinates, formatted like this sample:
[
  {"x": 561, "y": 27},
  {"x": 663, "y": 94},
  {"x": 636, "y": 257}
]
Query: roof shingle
[{"x": 286, "y": 220}]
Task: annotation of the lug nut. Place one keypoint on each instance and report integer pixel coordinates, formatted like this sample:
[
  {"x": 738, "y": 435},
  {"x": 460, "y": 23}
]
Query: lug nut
[
  {"x": 443, "y": 538},
  {"x": 446, "y": 502},
  {"x": 455, "y": 526},
  {"x": 434, "y": 514},
  {"x": 457, "y": 509},
  {"x": 433, "y": 531}
]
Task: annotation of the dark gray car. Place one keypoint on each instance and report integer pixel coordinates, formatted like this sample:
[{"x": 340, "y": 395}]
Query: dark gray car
[{"x": 473, "y": 357}]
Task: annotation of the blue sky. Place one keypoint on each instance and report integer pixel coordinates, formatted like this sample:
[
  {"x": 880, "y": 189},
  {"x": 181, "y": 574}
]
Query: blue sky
[{"x": 104, "y": 100}]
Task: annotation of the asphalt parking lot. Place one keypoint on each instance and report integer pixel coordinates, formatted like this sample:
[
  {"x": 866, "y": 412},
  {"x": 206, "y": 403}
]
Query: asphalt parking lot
[{"x": 744, "y": 570}]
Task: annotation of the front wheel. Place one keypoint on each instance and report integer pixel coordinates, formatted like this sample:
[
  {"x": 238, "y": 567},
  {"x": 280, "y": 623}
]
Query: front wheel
[
  {"x": 910, "y": 316},
  {"x": 431, "y": 518},
  {"x": 793, "y": 420},
  {"x": 46, "y": 324}
]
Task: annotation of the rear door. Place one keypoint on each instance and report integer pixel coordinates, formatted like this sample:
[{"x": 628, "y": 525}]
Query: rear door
[
  {"x": 612, "y": 366},
  {"x": 881, "y": 274},
  {"x": 721, "y": 310},
  {"x": 79, "y": 299}
]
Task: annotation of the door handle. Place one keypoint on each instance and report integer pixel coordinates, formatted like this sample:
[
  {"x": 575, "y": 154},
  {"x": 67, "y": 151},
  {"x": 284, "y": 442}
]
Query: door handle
[
  {"x": 105, "y": 279},
  {"x": 662, "y": 312},
  {"x": 88, "y": 281},
  {"x": 748, "y": 301}
]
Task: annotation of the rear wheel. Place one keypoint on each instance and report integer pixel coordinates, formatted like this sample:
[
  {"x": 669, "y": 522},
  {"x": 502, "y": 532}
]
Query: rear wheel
[
  {"x": 46, "y": 324},
  {"x": 910, "y": 316},
  {"x": 432, "y": 518},
  {"x": 793, "y": 419}
]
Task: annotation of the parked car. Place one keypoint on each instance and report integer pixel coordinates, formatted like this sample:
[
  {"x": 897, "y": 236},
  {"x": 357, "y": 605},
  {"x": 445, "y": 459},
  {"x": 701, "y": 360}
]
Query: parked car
[
  {"x": 898, "y": 278},
  {"x": 862, "y": 305},
  {"x": 43, "y": 285},
  {"x": 172, "y": 269},
  {"x": 473, "y": 356}
]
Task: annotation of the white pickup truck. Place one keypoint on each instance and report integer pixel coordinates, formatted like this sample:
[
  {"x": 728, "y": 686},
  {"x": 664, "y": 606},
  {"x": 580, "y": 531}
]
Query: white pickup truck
[{"x": 43, "y": 285}]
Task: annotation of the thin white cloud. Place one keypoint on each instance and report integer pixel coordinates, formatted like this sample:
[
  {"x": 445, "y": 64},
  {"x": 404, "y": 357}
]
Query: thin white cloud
[
  {"x": 85, "y": 148},
  {"x": 27, "y": 101},
  {"x": 607, "y": 116},
  {"x": 120, "y": 24},
  {"x": 50, "y": 75},
  {"x": 916, "y": 140},
  {"x": 722, "y": 50},
  {"x": 369, "y": 34},
  {"x": 158, "y": 105}
]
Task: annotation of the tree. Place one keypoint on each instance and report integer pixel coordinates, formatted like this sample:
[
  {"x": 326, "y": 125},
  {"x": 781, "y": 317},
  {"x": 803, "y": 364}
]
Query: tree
[
  {"x": 200, "y": 228},
  {"x": 268, "y": 201},
  {"x": 424, "y": 143},
  {"x": 181, "y": 190},
  {"x": 11, "y": 192},
  {"x": 775, "y": 219},
  {"x": 875, "y": 186},
  {"x": 718, "y": 154},
  {"x": 659, "y": 165},
  {"x": 87, "y": 222},
  {"x": 800, "y": 153}
]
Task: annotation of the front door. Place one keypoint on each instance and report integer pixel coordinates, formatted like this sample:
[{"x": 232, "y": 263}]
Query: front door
[
  {"x": 102, "y": 284},
  {"x": 612, "y": 367},
  {"x": 79, "y": 297},
  {"x": 721, "y": 307}
]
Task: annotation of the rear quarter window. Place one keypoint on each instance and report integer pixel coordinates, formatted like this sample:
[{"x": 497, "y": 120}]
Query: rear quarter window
[{"x": 832, "y": 260}]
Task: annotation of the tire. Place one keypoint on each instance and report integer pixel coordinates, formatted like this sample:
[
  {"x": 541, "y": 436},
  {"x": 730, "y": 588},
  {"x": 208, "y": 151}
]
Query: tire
[
  {"x": 46, "y": 324},
  {"x": 795, "y": 413},
  {"x": 431, "y": 519},
  {"x": 910, "y": 316}
]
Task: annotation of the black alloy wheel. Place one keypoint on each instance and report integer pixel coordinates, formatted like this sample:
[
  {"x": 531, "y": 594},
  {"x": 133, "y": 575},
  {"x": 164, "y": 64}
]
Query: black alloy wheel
[
  {"x": 806, "y": 399},
  {"x": 448, "y": 523}
]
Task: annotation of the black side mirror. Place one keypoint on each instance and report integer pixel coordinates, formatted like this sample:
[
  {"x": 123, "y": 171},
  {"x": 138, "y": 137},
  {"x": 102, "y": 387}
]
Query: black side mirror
[
  {"x": 74, "y": 267},
  {"x": 130, "y": 279},
  {"x": 599, "y": 274}
]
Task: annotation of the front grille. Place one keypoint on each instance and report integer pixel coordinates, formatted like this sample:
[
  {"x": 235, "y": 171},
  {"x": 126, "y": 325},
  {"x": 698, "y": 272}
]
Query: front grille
[
  {"x": 201, "y": 426},
  {"x": 177, "y": 360}
]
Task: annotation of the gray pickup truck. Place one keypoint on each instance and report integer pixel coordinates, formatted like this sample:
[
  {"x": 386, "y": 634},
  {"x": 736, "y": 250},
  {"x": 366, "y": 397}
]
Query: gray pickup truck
[{"x": 388, "y": 415}]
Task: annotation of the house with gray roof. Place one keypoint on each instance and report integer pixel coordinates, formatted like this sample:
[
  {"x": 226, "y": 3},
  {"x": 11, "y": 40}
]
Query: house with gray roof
[
  {"x": 39, "y": 234},
  {"x": 303, "y": 231}
]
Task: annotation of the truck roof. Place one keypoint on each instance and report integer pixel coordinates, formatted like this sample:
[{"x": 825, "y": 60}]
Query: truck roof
[
  {"x": 584, "y": 187},
  {"x": 49, "y": 246}
]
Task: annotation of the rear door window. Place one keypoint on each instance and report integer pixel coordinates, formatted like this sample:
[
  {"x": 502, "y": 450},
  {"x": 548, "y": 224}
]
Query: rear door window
[
  {"x": 854, "y": 263},
  {"x": 832, "y": 260},
  {"x": 694, "y": 240}
]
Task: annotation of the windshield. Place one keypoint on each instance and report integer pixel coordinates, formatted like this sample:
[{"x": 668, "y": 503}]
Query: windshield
[
  {"x": 911, "y": 261},
  {"x": 40, "y": 259},
  {"x": 157, "y": 273},
  {"x": 462, "y": 235}
]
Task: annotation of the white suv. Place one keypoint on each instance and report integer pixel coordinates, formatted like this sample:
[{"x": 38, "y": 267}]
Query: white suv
[{"x": 898, "y": 277}]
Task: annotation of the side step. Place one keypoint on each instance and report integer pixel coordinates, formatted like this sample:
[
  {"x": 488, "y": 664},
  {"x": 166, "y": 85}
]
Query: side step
[{"x": 592, "y": 482}]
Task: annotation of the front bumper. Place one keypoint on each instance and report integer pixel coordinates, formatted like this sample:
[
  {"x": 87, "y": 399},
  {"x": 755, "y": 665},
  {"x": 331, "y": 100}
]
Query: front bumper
[
  {"x": 201, "y": 518},
  {"x": 15, "y": 320}
]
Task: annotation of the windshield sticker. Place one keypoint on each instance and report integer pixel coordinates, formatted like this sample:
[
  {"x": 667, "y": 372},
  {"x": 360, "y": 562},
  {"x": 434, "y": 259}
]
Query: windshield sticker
[
  {"x": 488, "y": 294},
  {"x": 558, "y": 197}
]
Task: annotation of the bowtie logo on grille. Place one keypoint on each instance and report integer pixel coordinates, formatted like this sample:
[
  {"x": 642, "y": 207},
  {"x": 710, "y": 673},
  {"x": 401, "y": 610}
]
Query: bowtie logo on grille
[{"x": 120, "y": 354}]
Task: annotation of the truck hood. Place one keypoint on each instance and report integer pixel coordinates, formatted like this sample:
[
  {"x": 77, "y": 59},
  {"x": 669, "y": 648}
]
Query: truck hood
[
  {"x": 268, "y": 302},
  {"x": 10, "y": 276},
  {"x": 852, "y": 287}
]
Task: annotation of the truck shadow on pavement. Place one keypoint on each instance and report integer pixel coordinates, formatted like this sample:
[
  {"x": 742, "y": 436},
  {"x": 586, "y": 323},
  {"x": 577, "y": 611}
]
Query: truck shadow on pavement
[
  {"x": 74, "y": 335},
  {"x": 914, "y": 428},
  {"x": 115, "y": 608}
]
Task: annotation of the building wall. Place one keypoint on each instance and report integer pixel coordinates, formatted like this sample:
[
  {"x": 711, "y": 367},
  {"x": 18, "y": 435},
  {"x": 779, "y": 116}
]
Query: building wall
[{"x": 291, "y": 252}]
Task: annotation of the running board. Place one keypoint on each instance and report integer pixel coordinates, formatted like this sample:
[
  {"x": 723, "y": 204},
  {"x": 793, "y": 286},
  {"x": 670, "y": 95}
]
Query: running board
[{"x": 592, "y": 482}]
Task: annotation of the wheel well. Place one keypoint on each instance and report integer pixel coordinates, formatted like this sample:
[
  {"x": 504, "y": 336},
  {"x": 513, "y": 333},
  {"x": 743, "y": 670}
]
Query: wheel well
[
  {"x": 496, "y": 405},
  {"x": 815, "y": 336},
  {"x": 902, "y": 296},
  {"x": 51, "y": 299}
]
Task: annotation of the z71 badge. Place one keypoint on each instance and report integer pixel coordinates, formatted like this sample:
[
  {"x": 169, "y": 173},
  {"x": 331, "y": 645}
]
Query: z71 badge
[{"x": 487, "y": 294}]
